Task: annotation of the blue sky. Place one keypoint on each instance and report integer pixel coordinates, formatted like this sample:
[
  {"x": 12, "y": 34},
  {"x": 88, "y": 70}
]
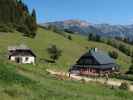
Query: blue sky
[{"x": 93, "y": 11}]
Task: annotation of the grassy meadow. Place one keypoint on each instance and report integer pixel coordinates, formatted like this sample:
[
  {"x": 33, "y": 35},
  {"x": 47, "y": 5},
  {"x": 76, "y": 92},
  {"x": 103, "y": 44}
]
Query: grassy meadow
[
  {"x": 28, "y": 82},
  {"x": 71, "y": 49}
]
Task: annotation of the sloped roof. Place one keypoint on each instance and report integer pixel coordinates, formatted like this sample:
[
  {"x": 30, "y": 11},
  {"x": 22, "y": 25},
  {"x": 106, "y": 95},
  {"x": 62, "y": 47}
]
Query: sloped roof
[
  {"x": 20, "y": 52},
  {"x": 100, "y": 57}
]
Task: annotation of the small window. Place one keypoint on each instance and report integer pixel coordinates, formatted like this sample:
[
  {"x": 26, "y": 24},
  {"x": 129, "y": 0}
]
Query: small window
[{"x": 26, "y": 59}]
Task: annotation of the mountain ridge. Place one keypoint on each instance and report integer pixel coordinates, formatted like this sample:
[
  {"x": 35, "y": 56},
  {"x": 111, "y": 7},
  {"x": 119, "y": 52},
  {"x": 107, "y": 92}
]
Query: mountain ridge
[{"x": 84, "y": 28}]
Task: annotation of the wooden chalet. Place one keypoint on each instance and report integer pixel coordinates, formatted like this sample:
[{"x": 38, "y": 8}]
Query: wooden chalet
[
  {"x": 94, "y": 63},
  {"x": 21, "y": 54}
]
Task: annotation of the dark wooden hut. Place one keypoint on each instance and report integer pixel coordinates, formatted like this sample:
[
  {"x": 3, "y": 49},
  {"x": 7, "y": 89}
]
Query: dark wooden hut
[{"x": 94, "y": 63}]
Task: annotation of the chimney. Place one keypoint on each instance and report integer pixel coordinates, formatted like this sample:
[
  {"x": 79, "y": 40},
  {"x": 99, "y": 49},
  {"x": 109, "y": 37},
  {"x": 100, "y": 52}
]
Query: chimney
[{"x": 95, "y": 49}]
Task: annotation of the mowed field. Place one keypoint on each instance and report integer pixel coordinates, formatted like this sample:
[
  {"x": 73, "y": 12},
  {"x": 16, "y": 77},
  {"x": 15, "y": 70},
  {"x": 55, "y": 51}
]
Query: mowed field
[{"x": 28, "y": 82}]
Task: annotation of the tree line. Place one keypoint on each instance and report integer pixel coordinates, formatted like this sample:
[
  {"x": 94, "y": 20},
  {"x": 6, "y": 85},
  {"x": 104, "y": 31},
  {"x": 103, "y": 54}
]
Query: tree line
[
  {"x": 15, "y": 15},
  {"x": 120, "y": 46}
]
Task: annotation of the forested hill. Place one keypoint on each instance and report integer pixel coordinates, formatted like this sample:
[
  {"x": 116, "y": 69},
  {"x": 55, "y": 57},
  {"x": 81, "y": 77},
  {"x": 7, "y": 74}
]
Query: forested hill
[
  {"x": 14, "y": 14},
  {"x": 8, "y": 11}
]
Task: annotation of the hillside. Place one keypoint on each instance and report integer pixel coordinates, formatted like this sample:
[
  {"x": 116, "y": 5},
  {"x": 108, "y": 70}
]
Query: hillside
[
  {"x": 27, "y": 82},
  {"x": 72, "y": 49}
]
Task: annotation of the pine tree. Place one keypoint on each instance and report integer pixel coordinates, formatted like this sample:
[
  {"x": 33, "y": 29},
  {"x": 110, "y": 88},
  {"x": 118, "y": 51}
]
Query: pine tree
[
  {"x": 31, "y": 24},
  {"x": 90, "y": 37},
  {"x": 16, "y": 13},
  {"x": 25, "y": 7},
  {"x": 33, "y": 14},
  {"x": 27, "y": 20},
  {"x": 7, "y": 11}
]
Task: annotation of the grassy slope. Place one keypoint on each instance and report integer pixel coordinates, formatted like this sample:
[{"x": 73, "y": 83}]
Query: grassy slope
[
  {"x": 45, "y": 87},
  {"x": 35, "y": 84},
  {"x": 72, "y": 50}
]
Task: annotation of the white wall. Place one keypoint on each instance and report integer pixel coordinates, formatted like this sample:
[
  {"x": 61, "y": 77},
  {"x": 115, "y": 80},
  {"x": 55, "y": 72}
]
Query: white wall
[
  {"x": 30, "y": 60},
  {"x": 12, "y": 58}
]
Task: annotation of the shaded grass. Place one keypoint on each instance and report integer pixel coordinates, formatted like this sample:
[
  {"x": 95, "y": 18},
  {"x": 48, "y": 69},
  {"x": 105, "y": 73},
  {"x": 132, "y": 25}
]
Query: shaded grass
[{"x": 9, "y": 75}]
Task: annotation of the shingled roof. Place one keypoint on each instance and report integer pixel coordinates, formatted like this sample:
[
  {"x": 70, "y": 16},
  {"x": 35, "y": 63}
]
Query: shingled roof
[
  {"x": 21, "y": 50},
  {"x": 100, "y": 57},
  {"x": 95, "y": 58}
]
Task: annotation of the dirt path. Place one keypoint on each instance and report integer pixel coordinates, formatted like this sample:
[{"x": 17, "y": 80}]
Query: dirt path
[{"x": 111, "y": 82}]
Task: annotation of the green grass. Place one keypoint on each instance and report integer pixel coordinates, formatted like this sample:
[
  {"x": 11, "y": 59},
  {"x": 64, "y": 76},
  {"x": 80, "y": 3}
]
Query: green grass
[
  {"x": 46, "y": 87},
  {"x": 28, "y": 82},
  {"x": 72, "y": 49}
]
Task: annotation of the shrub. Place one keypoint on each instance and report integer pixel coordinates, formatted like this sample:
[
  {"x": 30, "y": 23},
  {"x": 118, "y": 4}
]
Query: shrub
[
  {"x": 6, "y": 28},
  {"x": 94, "y": 37},
  {"x": 98, "y": 38},
  {"x": 54, "y": 52},
  {"x": 125, "y": 49},
  {"x": 112, "y": 87},
  {"x": 124, "y": 86},
  {"x": 113, "y": 54},
  {"x": 24, "y": 29},
  {"x": 125, "y": 77},
  {"x": 83, "y": 80},
  {"x": 130, "y": 71},
  {"x": 69, "y": 37},
  {"x": 122, "y": 47}
]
